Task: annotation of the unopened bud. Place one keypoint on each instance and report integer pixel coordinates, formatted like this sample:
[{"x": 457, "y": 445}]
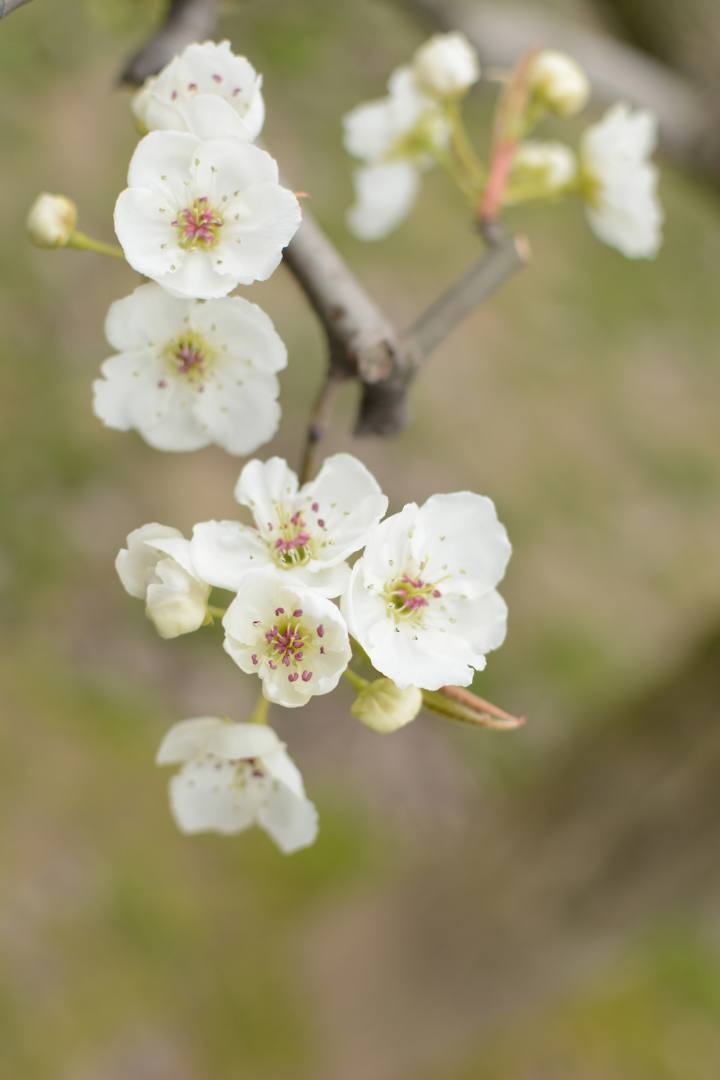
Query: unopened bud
[
  {"x": 549, "y": 167},
  {"x": 446, "y": 65},
  {"x": 559, "y": 82},
  {"x": 384, "y": 707},
  {"x": 51, "y": 220}
]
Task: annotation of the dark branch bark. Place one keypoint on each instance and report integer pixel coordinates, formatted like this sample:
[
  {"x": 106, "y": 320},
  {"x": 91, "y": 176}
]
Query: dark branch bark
[{"x": 186, "y": 21}]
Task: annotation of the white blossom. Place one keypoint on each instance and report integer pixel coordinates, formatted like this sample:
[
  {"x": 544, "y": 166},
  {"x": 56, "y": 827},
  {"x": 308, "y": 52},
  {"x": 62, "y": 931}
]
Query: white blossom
[
  {"x": 620, "y": 182},
  {"x": 51, "y": 220},
  {"x": 202, "y": 216},
  {"x": 292, "y": 637},
  {"x": 422, "y": 600},
  {"x": 447, "y": 65},
  {"x": 155, "y": 567},
  {"x": 384, "y": 707},
  {"x": 307, "y": 533},
  {"x": 189, "y": 373},
  {"x": 206, "y": 90},
  {"x": 559, "y": 82},
  {"x": 395, "y": 138},
  {"x": 234, "y": 776}
]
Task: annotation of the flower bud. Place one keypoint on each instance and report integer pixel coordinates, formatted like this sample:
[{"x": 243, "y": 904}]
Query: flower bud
[
  {"x": 383, "y": 707},
  {"x": 51, "y": 220},
  {"x": 548, "y": 166},
  {"x": 559, "y": 82},
  {"x": 446, "y": 65}
]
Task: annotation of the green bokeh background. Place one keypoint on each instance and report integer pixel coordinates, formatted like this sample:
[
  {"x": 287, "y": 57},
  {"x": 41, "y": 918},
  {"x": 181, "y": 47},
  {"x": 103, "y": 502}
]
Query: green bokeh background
[{"x": 583, "y": 399}]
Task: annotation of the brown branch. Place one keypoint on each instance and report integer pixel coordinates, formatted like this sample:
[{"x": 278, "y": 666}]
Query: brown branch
[
  {"x": 492, "y": 714},
  {"x": 8, "y": 6},
  {"x": 186, "y": 21},
  {"x": 318, "y": 423},
  {"x": 689, "y": 130}
]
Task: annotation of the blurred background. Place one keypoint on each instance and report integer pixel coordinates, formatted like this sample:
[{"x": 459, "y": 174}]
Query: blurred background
[{"x": 524, "y": 906}]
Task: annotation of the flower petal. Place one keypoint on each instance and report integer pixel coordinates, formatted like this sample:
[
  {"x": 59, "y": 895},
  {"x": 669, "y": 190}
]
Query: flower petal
[
  {"x": 223, "y": 552},
  {"x": 384, "y": 196},
  {"x": 292, "y": 822}
]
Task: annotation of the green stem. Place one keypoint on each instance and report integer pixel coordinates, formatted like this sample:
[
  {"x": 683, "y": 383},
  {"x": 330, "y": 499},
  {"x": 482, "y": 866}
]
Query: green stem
[
  {"x": 259, "y": 713},
  {"x": 81, "y": 242},
  {"x": 216, "y": 612},
  {"x": 355, "y": 680},
  {"x": 463, "y": 147},
  {"x": 454, "y": 169}
]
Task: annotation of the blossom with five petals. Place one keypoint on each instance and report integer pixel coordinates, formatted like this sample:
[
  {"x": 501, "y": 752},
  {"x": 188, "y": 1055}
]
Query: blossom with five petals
[
  {"x": 206, "y": 90},
  {"x": 189, "y": 373},
  {"x": 203, "y": 216},
  {"x": 234, "y": 776},
  {"x": 421, "y": 599},
  {"x": 292, "y": 637},
  {"x": 307, "y": 533}
]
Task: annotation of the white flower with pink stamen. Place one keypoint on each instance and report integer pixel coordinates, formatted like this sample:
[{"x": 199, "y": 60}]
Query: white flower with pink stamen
[
  {"x": 189, "y": 373},
  {"x": 307, "y": 533},
  {"x": 206, "y": 90},
  {"x": 422, "y": 600},
  {"x": 292, "y": 637},
  {"x": 234, "y": 776},
  {"x": 201, "y": 217}
]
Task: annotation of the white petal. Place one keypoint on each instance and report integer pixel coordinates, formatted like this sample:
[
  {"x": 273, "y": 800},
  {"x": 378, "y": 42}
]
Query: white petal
[
  {"x": 195, "y": 274},
  {"x": 223, "y": 167},
  {"x": 136, "y": 563},
  {"x": 462, "y": 536},
  {"x": 233, "y": 742},
  {"x": 147, "y": 316},
  {"x": 161, "y": 163},
  {"x": 349, "y": 502},
  {"x": 210, "y": 117},
  {"x": 384, "y": 196},
  {"x": 243, "y": 330},
  {"x": 292, "y": 822},
  {"x": 187, "y": 739},
  {"x": 224, "y": 551},
  {"x": 259, "y": 224},
  {"x": 264, "y": 485},
  {"x": 177, "y": 603},
  {"x": 240, "y": 418},
  {"x": 143, "y": 227},
  {"x": 205, "y": 798}
]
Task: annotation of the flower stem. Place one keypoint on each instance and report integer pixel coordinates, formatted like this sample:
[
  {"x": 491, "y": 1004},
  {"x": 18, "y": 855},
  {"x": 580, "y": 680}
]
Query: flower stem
[
  {"x": 259, "y": 713},
  {"x": 215, "y": 612},
  {"x": 469, "y": 709},
  {"x": 463, "y": 147},
  {"x": 355, "y": 680},
  {"x": 81, "y": 242}
]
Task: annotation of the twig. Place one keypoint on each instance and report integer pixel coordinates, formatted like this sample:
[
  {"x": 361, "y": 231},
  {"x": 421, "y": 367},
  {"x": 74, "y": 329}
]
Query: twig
[
  {"x": 689, "y": 130},
  {"x": 318, "y": 423},
  {"x": 8, "y": 6},
  {"x": 480, "y": 705},
  {"x": 187, "y": 21}
]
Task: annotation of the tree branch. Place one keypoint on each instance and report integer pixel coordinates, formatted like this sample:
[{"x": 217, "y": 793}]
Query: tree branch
[
  {"x": 8, "y": 6},
  {"x": 688, "y": 117},
  {"x": 186, "y": 21}
]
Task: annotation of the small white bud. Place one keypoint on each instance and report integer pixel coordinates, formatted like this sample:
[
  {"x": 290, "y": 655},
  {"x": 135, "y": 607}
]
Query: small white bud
[
  {"x": 446, "y": 66},
  {"x": 552, "y": 166},
  {"x": 51, "y": 220},
  {"x": 384, "y": 707},
  {"x": 560, "y": 82}
]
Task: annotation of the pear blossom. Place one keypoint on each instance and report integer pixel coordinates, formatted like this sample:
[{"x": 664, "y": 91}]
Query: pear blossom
[
  {"x": 51, "y": 220},
  {"x": 234, "y": 776},
  {"x": 155, "y": 567},
  {"x": 206, "y": 90},
  {"x": 292, "y": 637},
  {"x": 305, "y": 533},
  {"x": 384, "y": 707},
  {"x": 559, "y": 82},
  {"x": 395, "y": 137},
  {"x": 203, "y": 216},
  {"x": 541, "y": 169},
  {"x": 188, "y": 373},
  {"x": 620, "y": 182},
  {"x": 447, "y": 65},
  {"x": 422, "y": 600}
]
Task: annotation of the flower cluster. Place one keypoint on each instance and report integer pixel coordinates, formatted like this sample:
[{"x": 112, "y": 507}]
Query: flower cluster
[
  {"x": 203, "y": 212},
  {"x": 420, "y": 602},
  {"x": 420, "y": 124}
]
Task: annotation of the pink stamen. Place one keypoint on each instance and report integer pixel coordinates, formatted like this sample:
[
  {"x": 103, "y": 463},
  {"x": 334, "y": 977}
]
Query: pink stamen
[
  {"x": 320, "y": 631},
  {"x": 307, "y": 676},
  {"x": 293, "y": 677}
]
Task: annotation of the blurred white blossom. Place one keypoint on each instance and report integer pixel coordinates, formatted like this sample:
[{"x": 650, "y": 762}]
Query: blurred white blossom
[
  {"x": 307, "y": 533},
  {"x": 292, "y": 637},
  {"x": 189, "y": 373},
  {"x": 206, "y": 90},
  {"x": 51, "y": 220},
  {"x": 202, "y": 216},
  {"x": 446, "y": 66},
  {"x": 543, "y": 168},
  {"x": 155, "y": 567},
  {"x": 620, "y": 182},
  {"x": 559, "y": 82},
  {"x": 422, "y": 600},
  {"x": 234, "y": 776}
]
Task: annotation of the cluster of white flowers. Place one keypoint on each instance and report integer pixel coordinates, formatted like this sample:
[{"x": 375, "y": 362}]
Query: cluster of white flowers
[
  {"x": 203, "y": 212},
  {"x": 420, "y": 601},
  {"x": 419, "y": 123}
]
